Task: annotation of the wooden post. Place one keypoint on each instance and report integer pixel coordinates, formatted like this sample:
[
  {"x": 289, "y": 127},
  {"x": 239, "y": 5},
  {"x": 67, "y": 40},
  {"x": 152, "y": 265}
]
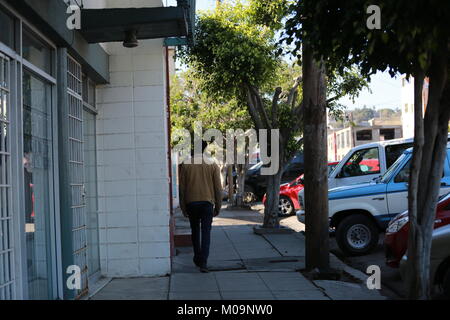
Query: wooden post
[{"x": 315, "y": 156}]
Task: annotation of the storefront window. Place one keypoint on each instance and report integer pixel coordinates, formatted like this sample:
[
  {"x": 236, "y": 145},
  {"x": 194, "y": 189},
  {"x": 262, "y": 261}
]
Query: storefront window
[
  {"x": 88, "y": 91},
  {"x": 7, "y": 29},
  {"x": 36, "y": 51},
  {"x": 6, "y": 229},
  {"x": 37, "y": 163},
  {"x": 90, "y": 175}
]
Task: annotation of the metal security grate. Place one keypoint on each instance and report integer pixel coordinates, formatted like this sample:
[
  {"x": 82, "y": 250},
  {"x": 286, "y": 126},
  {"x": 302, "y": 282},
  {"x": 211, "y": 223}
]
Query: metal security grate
[
  {"x": 6, "y": 242},
  {"x": 76, "y": 170}
]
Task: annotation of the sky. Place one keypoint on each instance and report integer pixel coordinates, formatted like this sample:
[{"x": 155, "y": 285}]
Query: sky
[{"x": 385, "y": 91}]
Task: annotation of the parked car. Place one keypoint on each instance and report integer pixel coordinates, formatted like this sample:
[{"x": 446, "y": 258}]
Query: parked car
[
  {"x": 359, "y": 212},
  {"x": 439, "y": 261},
  {"x": 368, "y": 161},
  {"x": 256, "y": 184},
  {"x": 365, "y": 163},
  {"x": 396, "y": 238},
  {"x": 288, "y": 203}
]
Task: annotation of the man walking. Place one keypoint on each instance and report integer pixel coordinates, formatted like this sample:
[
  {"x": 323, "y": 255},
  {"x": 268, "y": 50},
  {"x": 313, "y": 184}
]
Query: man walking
[{"x": 200, "y": 199}]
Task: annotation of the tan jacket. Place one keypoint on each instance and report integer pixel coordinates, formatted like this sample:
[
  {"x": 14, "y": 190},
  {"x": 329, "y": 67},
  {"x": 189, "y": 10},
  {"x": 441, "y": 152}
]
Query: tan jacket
[{"x": 200, "y": 182}]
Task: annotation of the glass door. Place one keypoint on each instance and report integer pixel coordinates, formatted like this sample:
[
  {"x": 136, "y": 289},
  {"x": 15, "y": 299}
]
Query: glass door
[{"x": 37, "y": 171}]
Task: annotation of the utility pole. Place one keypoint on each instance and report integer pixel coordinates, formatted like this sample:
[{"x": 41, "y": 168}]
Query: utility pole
[{"x": 315, "y": 157}]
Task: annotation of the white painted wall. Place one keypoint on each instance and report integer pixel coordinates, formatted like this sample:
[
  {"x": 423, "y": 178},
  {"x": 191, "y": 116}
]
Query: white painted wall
[
  {"x": 407, "y": 99},
  {"x": 132, "y": 163}
]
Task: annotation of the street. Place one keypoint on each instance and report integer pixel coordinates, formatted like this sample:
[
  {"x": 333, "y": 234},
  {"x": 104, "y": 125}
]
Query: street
[
  {"x": 390, "y": 277},
  {"x": 392, "y": 285}
]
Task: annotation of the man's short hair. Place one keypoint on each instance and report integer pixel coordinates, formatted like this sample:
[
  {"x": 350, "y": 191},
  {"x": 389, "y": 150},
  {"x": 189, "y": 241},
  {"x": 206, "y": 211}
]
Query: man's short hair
[{"x": 204, "y": 145}]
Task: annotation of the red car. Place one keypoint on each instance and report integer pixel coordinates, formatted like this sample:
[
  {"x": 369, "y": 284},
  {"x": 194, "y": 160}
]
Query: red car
[
  {"x": 396, "y": 238},
  {"x": 289, "y": 194}
]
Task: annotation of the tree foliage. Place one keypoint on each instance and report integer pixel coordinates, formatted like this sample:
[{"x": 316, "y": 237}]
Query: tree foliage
[
  {"x": 235, "y": 57},
  {"x": 190, "y": 104},
  {"x": 414, "y": 40},
  {"x": 236, "y": 48},
  {"x": 230, "y": 51},
  {"x": 411, "y": 31},
  {"x": 268, "y": 12}
]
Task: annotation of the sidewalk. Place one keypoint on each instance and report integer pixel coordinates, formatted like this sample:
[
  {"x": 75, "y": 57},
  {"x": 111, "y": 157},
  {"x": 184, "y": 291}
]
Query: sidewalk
[{"x": 244, "y": 266}]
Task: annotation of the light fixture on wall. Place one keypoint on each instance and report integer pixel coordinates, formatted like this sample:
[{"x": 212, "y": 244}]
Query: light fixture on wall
[{"x": 130, "y": 39}]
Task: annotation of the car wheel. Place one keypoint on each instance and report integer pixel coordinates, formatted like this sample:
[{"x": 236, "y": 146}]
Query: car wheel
[
  {"x": 446, "y": 283},
  {"x": 357, "y": 235},
  {"x": 249, "y": 195},
  {"x": 285, "y": 206}
]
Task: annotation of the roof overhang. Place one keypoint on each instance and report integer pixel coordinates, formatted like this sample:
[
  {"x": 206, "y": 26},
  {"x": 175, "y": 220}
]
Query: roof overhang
[
  {"x": 108, "y": 25},
  {"x": 189, "y": 6}
]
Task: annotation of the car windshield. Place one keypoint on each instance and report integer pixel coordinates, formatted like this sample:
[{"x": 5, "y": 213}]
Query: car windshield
[
  {"x": 444, "y": 197},
  {"x": 331, "y": 168},
  {"x": 256, "y": 166},
  {"x": 388, "y": 174}
]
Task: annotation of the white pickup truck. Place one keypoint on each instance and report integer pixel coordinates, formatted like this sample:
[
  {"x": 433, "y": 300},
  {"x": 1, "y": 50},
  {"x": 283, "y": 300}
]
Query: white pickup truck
[
  {"x": 364, "y": 163},
  {"x": 360, "y": 212},
  {"x": 368, "y": 161}
]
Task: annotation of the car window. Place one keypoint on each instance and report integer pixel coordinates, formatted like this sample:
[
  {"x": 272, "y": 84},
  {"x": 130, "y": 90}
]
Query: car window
[
  {"x": 331, "y": 168},
  {"x": 403, "y": 174},
  {"x": 443, "y": 198},
  {"x": 362, "y": 162},
  {"x": 298, "y": 158},
  {"x": 389, "y": 173},
  {"x": 395, "y": 151},
  {"x": 293, "y": 168},
  {"x": 256, "y": 166}
]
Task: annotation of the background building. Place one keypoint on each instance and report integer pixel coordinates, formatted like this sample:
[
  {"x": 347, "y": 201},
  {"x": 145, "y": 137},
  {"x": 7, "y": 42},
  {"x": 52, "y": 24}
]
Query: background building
[
  {"x": 407, "y": 99},
  {"x": 340, "y": 141}
]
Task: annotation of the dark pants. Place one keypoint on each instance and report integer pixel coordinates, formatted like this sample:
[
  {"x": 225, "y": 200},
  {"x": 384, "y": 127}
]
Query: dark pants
[{"x": 200, "y": 217}]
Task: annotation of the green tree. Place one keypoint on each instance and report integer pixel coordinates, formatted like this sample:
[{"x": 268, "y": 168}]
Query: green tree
[
  {"x": 363, "y": 114},
  {"x": 413, "y": 39},
  {"x": 189, "y": 105},
  {"x": 236, "y": 55}
]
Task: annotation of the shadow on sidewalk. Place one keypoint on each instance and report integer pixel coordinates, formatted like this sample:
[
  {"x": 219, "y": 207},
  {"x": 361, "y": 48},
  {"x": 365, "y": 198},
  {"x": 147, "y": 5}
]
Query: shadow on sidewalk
[{"x": 243, "y": 265}]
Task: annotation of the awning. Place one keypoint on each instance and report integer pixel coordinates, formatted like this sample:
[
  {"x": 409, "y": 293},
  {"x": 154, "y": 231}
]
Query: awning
[{"x": 108, "y": 25}]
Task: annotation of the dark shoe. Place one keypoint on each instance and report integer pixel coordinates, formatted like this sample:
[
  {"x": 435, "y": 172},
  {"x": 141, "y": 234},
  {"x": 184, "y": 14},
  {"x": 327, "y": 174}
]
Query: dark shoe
[
  {"x": 196, "y": 262},
  {"x": 204, "y": 269}
]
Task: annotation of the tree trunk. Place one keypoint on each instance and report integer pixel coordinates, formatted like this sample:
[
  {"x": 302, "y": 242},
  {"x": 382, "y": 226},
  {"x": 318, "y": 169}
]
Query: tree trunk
[
  {"x": 230, "y": 185},
  {"x": 415, "y": 235},
  {"x": 223, "y": 174},
  {"x": 429, "y": 179},
  {"x": 271, "y": 219},
  {"x": 315, "y": 156},
  {"x": 241, "y": 170}
]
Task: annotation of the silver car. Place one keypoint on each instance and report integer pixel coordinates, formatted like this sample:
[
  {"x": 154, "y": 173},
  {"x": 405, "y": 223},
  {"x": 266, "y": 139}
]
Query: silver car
[{"x": 439, "y": 262}]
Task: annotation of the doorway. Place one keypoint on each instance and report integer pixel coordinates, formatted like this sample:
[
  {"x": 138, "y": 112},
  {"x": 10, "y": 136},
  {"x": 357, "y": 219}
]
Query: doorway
[{"x": 37, "y": 175}]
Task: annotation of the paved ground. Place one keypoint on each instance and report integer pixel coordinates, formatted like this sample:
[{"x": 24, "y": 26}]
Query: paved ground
[
  {"x": 243, "y": 266},
  {"x": 392, "y": 285},
  {"x": 390, "y": 277}
]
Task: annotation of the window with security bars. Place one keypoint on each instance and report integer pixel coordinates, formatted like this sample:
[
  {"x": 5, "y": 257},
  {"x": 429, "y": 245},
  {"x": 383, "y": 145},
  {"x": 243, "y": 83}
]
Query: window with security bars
[
  {"x": 76, "y": 170},
  {"x": 6, "y": 241},
  {"x": 90, "y": 175}
]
